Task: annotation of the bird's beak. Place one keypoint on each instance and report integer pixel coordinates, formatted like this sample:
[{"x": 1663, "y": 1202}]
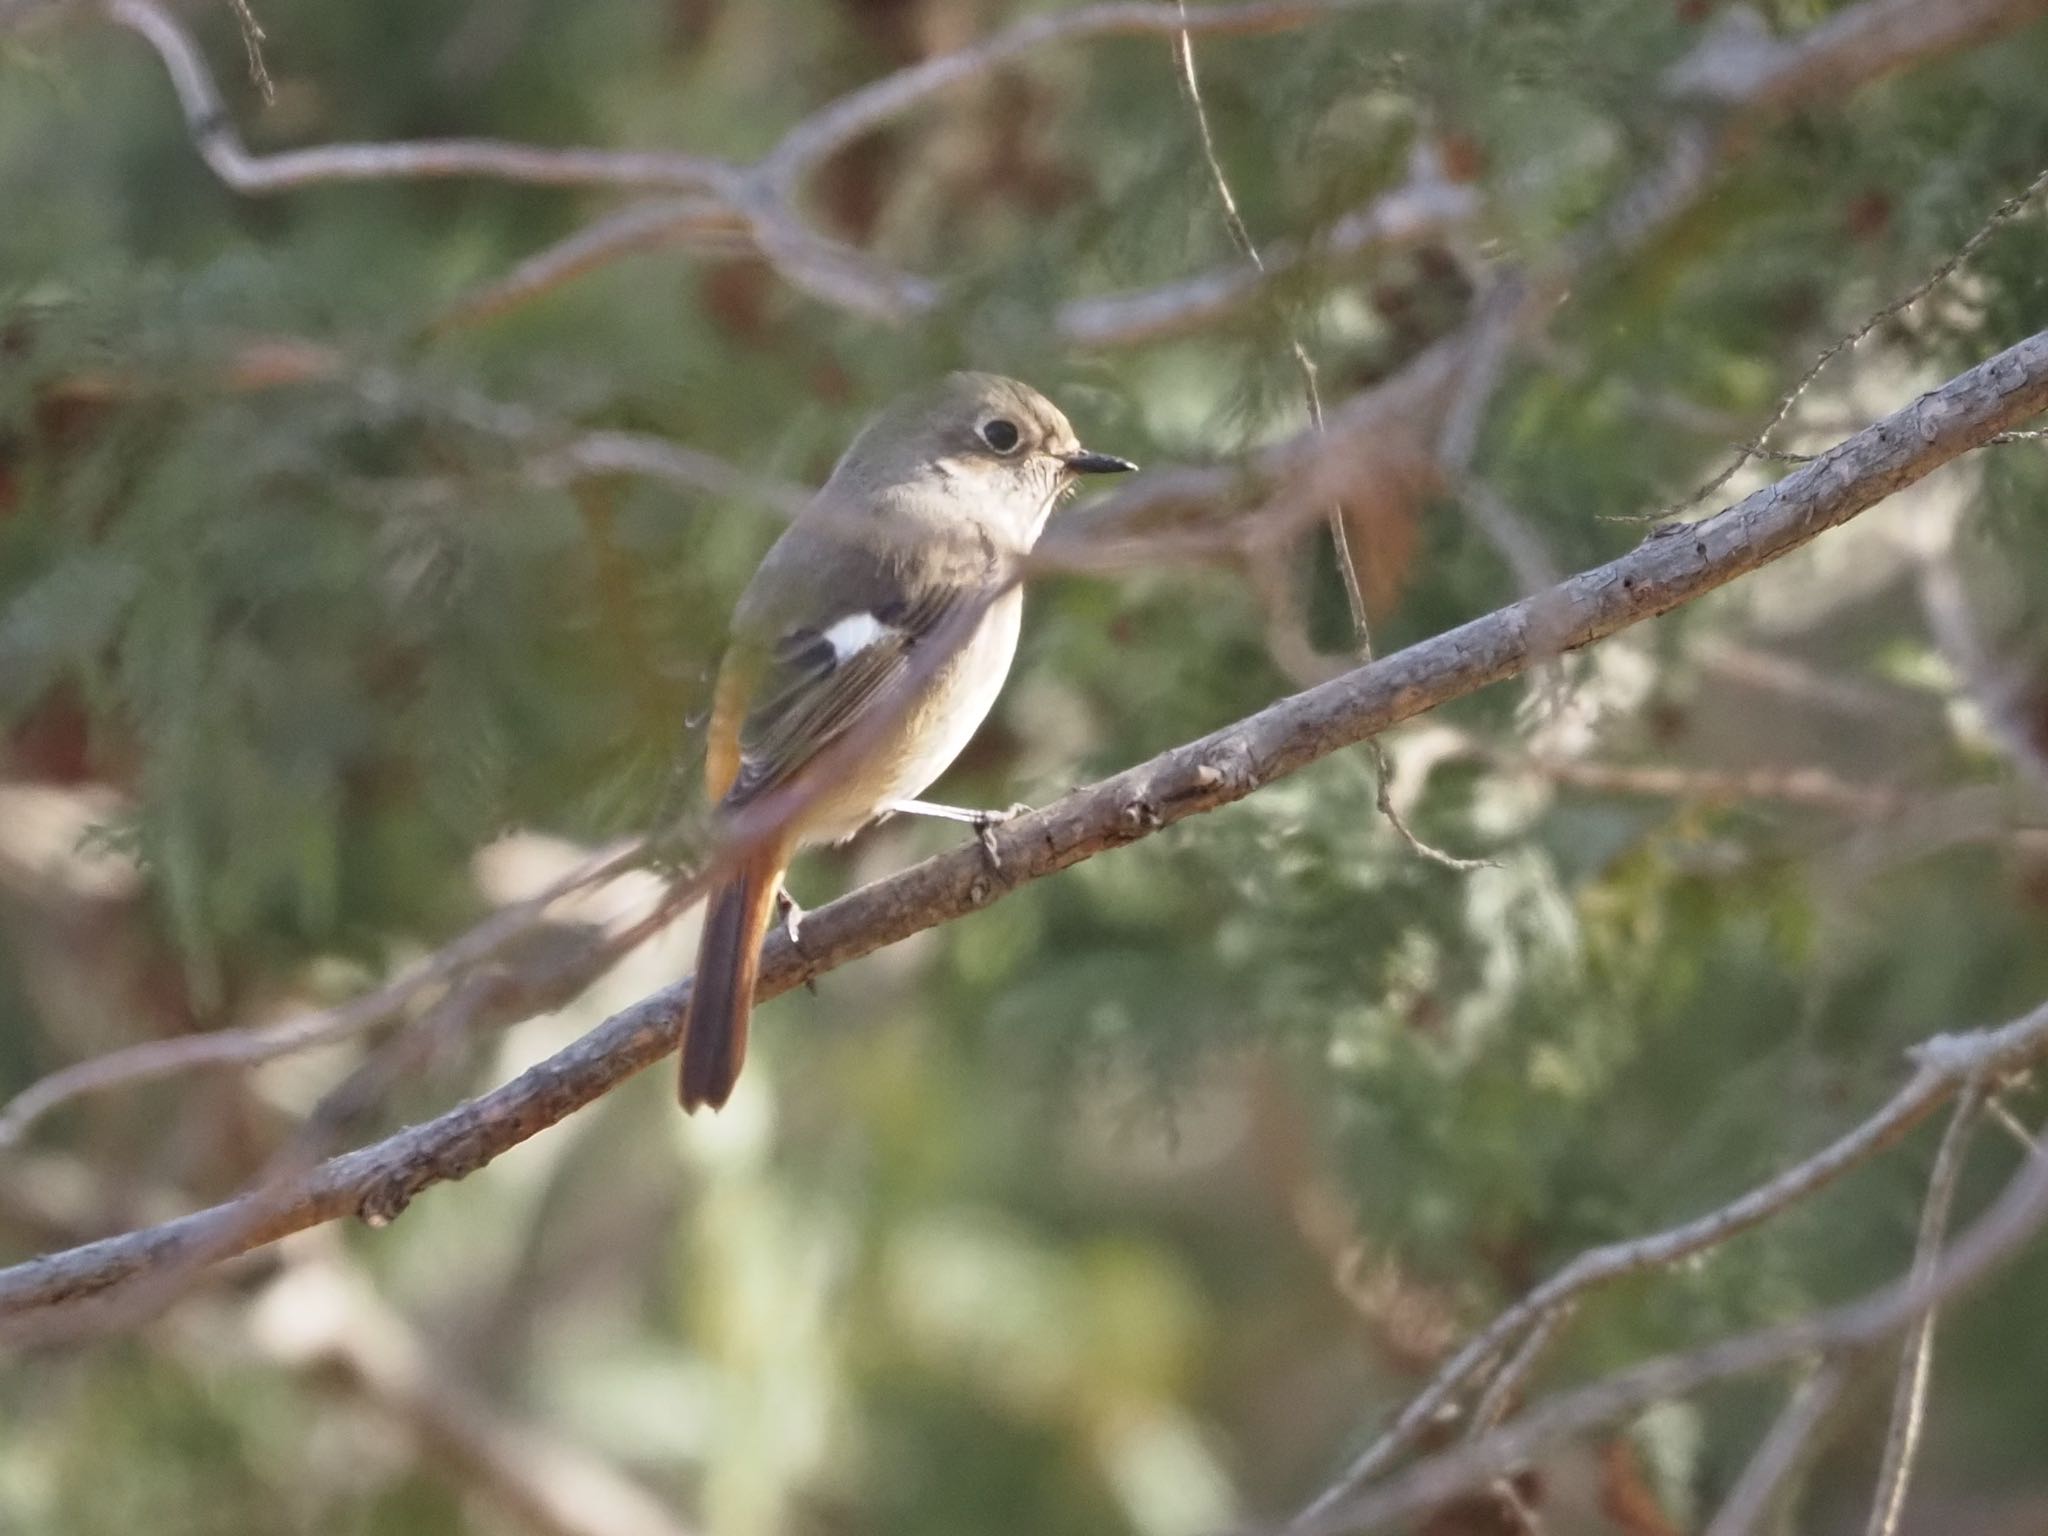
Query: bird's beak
[{"x": 1082, "y": 462}]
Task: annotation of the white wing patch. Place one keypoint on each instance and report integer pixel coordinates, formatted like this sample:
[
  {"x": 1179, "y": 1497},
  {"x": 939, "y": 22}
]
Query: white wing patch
[{"x": 854, "y": 634}]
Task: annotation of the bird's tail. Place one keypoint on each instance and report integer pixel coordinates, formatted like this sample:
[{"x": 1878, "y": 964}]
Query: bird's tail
[{"x": 722, "y": 995}]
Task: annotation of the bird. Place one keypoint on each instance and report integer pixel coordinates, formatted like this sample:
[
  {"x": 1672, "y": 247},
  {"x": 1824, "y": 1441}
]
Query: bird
[{"x": 865, "y": 652}]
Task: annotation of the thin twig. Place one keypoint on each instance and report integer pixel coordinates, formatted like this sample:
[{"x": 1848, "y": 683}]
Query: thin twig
[
  {"x": 698, "y": 221},
  {"x": 252, "y": 42},
  {"x": 1999, "y": 217},
  {"x": 1916, "y": 1360},
  {"x": 1499, "y": 1397},
  {"x": 1312, "y": 396},
  {"x": 213, "y": 132},
  {"x": 1788, "y": 1442},
  {"x": 155, "y": 1059},
  {"x": 2008, "y": 1122}
]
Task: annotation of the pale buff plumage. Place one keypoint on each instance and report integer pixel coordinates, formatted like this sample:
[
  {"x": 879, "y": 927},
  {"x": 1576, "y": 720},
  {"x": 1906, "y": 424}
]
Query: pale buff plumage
[{"x": 913, "y": 542}]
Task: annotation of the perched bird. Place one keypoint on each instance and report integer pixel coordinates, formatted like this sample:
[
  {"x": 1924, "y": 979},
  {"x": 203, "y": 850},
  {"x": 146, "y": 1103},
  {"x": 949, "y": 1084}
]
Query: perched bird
[{"x": 884, "y": 621}]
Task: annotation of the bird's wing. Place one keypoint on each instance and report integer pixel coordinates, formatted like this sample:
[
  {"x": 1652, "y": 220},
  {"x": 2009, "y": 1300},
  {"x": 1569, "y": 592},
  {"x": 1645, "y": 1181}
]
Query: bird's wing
[{"x": 784, "y": 698}]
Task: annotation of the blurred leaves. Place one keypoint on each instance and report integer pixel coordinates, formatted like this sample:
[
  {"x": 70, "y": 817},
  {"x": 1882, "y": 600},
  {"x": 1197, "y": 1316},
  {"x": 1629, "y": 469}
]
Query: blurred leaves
[{"x": 1006, "y": 1229}]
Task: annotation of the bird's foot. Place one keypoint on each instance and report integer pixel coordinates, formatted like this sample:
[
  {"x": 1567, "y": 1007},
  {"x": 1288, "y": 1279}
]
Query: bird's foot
[
  {"x": 792, "y": 917},
  {"x": 985, "y": 824}
]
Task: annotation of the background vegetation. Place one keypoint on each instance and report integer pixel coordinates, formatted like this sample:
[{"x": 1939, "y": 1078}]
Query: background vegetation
[{"x": 1136, "y": 1203}]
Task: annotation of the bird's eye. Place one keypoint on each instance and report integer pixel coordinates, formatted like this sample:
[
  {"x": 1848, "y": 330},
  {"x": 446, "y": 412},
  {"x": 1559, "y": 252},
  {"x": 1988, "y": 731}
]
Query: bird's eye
[{"x": 999, "y": 434}]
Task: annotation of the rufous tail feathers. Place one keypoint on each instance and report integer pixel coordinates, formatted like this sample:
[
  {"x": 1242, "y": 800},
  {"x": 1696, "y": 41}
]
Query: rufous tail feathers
[{"x": 722, "y": 994}]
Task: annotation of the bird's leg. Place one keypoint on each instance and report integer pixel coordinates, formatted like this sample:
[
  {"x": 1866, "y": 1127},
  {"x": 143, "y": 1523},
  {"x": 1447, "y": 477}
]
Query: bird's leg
[
  {"x": 983, "y": 822},
  {"x": 792, "y": 921},
  {"x": 791, "y": 914}
]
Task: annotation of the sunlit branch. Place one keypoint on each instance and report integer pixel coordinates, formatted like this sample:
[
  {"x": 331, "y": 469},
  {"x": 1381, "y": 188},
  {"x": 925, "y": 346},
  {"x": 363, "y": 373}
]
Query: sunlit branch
[{"x": 1664, "y": 571}]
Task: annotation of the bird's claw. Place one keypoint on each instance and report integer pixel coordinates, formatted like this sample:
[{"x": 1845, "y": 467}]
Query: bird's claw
[
  {"x": 792, "y": 915},
  {"x": 985, "y": 831},
  {"x": 792, "y": 924}
]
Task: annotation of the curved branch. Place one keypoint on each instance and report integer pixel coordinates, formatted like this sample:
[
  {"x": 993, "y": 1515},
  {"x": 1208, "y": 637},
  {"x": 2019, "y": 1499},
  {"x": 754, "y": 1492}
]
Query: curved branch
[
  {"x": 699, "y": 221},
  {"x": 213, "y": 132},
  {"x": 860, "y": 112},
  {"x": 1667, "y": 569}
]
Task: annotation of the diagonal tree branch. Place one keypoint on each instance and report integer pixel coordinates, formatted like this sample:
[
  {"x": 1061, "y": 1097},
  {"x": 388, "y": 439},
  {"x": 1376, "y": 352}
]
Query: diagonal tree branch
[
  {"x": 2014, "y": 1219},
  {"x": 1667, "y": 569}
]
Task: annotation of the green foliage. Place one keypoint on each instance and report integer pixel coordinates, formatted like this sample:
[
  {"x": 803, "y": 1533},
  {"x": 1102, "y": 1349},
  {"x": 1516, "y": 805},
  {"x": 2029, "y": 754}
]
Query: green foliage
[{"x": 1015, "y": 1227}]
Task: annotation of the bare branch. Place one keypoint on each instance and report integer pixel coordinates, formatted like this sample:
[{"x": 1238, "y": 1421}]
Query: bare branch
[
  {"x": 1661, "y": 573},
  {"x": 758, "y": 200},
  {"x": 698, "y": 221},
  {"x": 1787, "y": 1443},
  {"x": 246, "y": 1047},
  {"x": 1749, "y": 1501},
  {"x": 832, "y": 128},
  {"x": 2008, "y": 1122},
  {"x": 473, "y": 999},
  {"x": 2014, "y": 1219},
  {"x": 213, "y": 132},
  {"x": 1916, "y": 1362},
  {"x": 1498, "y": 1400}
]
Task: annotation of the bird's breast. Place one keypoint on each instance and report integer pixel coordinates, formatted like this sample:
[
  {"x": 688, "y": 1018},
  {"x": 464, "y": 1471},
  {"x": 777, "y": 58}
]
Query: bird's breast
[{"x": 948, "y": 708}]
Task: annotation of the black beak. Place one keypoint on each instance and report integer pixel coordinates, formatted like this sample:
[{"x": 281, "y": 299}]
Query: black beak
[{"x": 1082, "y": 462}]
